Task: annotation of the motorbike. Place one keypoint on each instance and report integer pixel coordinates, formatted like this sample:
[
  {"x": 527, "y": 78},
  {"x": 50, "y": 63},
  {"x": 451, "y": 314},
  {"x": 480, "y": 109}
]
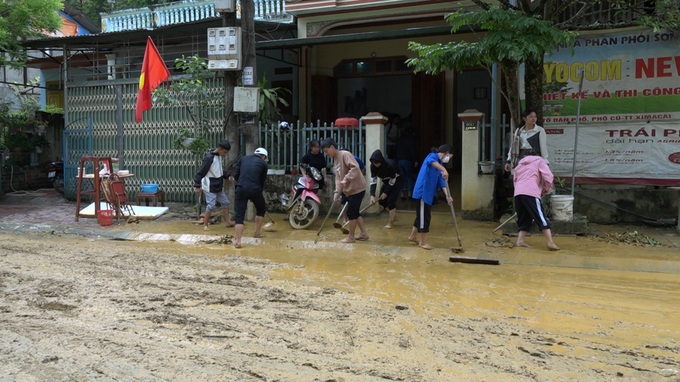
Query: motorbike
[
  {"x": 303, "y": 203},
  {"x": 55, "y": 174}
]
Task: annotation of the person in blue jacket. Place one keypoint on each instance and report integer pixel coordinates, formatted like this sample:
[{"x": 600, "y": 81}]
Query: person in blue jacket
[{"x": 432, "y": 176}]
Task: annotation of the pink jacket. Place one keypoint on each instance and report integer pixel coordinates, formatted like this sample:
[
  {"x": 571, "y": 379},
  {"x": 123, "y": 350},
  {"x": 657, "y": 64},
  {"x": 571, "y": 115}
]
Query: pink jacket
[{"x": 532, "y": 177}]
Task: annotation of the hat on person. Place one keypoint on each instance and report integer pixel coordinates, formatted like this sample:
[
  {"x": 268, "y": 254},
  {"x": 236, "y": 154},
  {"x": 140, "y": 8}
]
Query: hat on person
[
  {"x": 225, "y": 145},
  {"x": 261, "y": 151}
]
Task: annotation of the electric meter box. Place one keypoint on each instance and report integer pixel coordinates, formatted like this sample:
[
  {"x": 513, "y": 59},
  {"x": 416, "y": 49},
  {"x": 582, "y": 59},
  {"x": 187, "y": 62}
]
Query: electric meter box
[
  {"x": 224, "y": 43},
  {"x": 246, "y": 99},
  {"x": 225, "y": 6},
  {"x": 225, "y": 65}
]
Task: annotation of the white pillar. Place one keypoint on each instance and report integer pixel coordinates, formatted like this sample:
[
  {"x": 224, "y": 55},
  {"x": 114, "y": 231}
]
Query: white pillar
[
  {"x": 375, "y": 132},
  {"x": 476, "y": 191},
  {"x": 375, "y": 139}
]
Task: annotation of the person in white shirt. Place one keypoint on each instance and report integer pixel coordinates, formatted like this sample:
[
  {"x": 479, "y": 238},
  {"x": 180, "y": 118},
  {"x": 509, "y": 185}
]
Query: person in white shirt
[
  {"x": 209, "y": 179},
  {"x": 532, "y": 140}
]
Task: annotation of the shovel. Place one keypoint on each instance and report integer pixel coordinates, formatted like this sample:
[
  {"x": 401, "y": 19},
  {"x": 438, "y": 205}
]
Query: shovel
[
  {"x": 505, "y": 222},
  {"x": 345, "y": 230},
  {"x": 342, "y": 212},
  {"x": 460, "y": 248},
  {"x": 269, "y": 224},
  {"x": 324, "y": 221}
]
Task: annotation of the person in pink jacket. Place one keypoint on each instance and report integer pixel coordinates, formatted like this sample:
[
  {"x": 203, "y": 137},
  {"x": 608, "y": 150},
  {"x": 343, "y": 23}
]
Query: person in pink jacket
[
  {"x": 532, "y": 180},
  {"x": 350, "y": 185}
]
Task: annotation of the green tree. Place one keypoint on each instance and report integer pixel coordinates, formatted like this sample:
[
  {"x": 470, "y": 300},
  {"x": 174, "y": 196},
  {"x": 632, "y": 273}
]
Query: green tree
[
  {"x": 511, "y": 33},
  {"x": 191, "y": 93},
  {"x": 23, "y": 20}
]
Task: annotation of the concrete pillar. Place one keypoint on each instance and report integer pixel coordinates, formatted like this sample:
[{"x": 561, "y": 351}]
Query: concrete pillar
[
  {"x": 375, "y": 132},
  {"x": 476, "y": 188},
  {"x": 375, "y": 139}
]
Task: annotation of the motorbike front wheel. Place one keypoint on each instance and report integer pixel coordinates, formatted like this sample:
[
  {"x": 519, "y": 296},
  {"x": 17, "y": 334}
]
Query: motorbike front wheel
[{"x": 302, "y": 216}]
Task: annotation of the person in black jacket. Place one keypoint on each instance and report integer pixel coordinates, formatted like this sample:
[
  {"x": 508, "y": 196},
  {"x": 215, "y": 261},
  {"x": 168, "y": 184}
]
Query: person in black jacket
[
  {"x": 316, "y": 159},
  {"x": 250, "y": 175},
  {"x": 392, "y": 183},
  {"x": 210, "y": 180}
]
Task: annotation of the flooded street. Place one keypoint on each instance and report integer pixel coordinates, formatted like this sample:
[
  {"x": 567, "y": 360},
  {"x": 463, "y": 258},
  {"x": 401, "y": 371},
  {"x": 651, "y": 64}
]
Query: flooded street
[{"x": 287, "y": 308}]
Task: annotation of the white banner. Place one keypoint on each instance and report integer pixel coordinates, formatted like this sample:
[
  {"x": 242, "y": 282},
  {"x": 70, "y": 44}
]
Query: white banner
[{"x": 626, "y": 153}]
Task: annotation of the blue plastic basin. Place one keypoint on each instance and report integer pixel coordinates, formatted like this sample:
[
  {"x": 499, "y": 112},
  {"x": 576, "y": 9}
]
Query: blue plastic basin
[{"x": 150, "y": 188}]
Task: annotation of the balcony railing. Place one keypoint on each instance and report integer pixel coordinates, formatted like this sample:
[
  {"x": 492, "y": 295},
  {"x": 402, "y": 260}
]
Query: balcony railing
[
  {"x": 185, "y": 12},
  {"x": 605, "y": 14}
]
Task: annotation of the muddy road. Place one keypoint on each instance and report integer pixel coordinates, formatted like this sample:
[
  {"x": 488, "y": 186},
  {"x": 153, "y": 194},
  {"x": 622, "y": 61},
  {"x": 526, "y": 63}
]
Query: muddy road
[{"x": 76, "y": 308}]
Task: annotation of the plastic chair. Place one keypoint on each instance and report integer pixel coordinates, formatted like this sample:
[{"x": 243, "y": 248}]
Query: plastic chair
[
  {"x": 118, "y": 189},
  {"x": 114, "y": 192}
]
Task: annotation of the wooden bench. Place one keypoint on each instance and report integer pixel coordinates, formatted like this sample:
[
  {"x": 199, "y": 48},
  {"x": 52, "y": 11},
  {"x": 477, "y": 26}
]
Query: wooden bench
[{"x": 160, "y": 194}]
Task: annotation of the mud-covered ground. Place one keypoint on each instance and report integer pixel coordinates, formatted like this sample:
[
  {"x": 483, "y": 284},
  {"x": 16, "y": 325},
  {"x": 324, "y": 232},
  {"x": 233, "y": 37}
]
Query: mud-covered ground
[{"x": 78, "y": 308}]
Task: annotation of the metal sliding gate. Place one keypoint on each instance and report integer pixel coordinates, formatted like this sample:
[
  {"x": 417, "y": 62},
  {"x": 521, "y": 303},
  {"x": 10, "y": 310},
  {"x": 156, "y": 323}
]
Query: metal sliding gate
[{"x": 101, "y": 122}]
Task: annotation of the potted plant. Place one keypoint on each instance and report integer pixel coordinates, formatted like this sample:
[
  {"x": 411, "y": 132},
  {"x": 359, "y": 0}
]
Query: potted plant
[
  {"x": 270, "y": 99},
  {"x": 486, "y": 167}
]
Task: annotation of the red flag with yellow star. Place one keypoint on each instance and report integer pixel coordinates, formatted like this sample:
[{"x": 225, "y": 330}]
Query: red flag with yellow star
[{"x": 153, "y": 73}]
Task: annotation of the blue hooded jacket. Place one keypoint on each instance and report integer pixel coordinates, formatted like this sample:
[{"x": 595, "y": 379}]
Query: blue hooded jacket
[{"x": 429, "y": 180}]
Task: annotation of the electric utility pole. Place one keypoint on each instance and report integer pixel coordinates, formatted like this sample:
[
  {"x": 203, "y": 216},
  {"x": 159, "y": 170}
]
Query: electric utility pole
[
  {"x": 249, "y": 63},
  {"x": 230, "y": 127}
]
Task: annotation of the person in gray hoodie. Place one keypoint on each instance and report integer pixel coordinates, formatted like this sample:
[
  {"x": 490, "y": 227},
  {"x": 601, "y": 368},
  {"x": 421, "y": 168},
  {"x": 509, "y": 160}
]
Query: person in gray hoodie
[{"x": 392, "y": 183}]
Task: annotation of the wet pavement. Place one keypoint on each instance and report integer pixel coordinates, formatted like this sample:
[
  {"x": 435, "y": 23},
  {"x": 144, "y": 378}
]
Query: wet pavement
[{"x": 45, "y": 210}]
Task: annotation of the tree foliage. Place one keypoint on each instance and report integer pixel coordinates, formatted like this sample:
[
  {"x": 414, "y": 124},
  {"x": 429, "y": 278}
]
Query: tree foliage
[
  {"x": 23, "y": 20},
  {"x": 511, "y": 37},
  {"x": 191, "y": 93},
  {"x": 270, "y": 98},
  {"x": 523, "y": 31}
]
